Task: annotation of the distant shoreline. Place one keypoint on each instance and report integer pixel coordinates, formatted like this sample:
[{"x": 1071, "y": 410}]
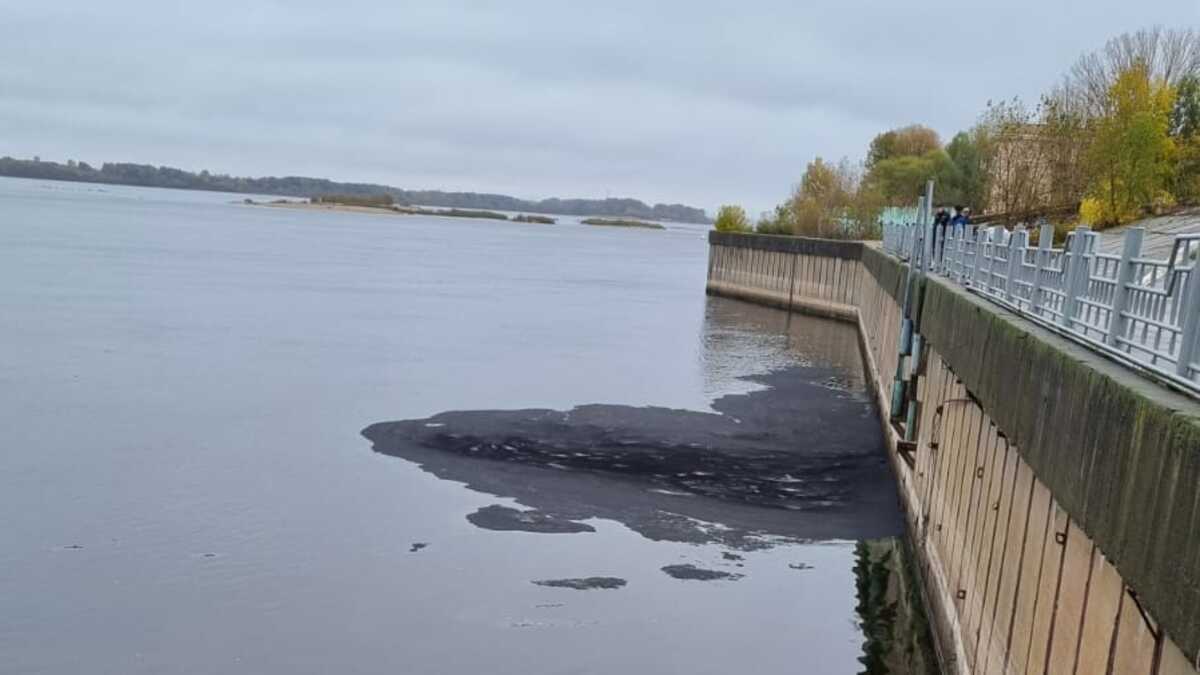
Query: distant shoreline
[
  {"x": 398, "y": 210},
  {"x": 301, "y": 187}
]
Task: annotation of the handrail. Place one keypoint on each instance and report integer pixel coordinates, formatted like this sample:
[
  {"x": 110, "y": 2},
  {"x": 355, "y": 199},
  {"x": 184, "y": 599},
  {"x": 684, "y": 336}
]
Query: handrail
[{"x": 1141, "y": 312}]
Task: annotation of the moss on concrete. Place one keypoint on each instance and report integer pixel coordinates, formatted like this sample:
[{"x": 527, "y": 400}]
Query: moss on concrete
[
  {"x": 829, "y": 248},
  {"x": 889, "y": 273},
  {"x": 1120, "y": 453}
]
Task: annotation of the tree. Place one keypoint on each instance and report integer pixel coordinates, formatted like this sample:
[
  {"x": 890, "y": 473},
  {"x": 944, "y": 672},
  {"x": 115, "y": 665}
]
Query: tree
[
  {"x": 901, "y": 160},
  {"x": 863, "y": 213},
  {"x": 732, "y": 218},
  {"x": 1169, "y": 55},
  {"x": 818, "y": 203},
  {"x": 968, "y": 182},
  {"x": 900, "y": 180},
  {"x": 1016, "y": 159},
  {"x": 1185, "y": 131},
  {"x": 778, "y": 221},
  {"x": 910, "y": 141},
  {"x": 1185, "y": 114},
  {"x": 1066, "y": 134},
  {"x": 1132, "y": 150}
]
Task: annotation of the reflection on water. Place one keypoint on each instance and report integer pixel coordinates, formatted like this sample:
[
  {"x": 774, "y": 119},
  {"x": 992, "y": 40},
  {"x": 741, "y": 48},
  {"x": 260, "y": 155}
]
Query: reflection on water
[
  {"x": 741, "y": 338},
  {"x": 898, "y": 638}
]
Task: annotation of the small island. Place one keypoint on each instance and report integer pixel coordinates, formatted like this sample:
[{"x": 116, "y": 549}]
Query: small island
[
  {"x": 622, "y": 222},
  {"x": 374, "y": 204},
  {"x": 452, "y": 213},
  {"x": 385, "y": 203},
  {"x": 526, "y": 218}
]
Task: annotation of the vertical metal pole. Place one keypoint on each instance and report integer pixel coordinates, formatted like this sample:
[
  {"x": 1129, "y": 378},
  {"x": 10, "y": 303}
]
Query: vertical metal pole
[
  {"x": 904, "y": 347},
  {"x": 1125, "y": 272},
  {"x": 1190, "y": 320},
  {"x": 926, "y": 234},
  {"x": 919, "y": 234},
  {"x": 980, "y": 240},
  {"x": 992, "y": 246},
  {"x": 927, "y": 225},
  {"x": 1016, "y": 252},
  {"x": 1076, "y": 276},
  {"x": 1045, "y": 242}
]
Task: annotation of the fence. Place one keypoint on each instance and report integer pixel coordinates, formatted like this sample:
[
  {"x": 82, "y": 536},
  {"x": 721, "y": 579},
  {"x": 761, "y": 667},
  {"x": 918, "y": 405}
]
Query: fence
[{"x": 1144, "y": 312}]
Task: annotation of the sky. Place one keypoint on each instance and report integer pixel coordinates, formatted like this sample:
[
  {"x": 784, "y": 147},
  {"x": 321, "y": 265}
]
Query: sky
[{"x": 697, "y": 102}]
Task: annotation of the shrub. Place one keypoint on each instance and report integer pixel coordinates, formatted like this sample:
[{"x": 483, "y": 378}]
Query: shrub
[{"x": 732, "y": 218}]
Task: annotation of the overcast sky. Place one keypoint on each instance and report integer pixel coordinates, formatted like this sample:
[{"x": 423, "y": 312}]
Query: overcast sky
[{"x": 691, "y": 101}]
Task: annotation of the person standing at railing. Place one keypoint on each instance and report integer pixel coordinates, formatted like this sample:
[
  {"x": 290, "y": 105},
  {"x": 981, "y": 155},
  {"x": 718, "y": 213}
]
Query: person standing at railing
[
  {"x": 961, "y": 219},
  {"x": 941, "y": 222}
]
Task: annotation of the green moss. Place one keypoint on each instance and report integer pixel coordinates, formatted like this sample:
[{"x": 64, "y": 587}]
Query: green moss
[{"x": 1120, "y": 453}]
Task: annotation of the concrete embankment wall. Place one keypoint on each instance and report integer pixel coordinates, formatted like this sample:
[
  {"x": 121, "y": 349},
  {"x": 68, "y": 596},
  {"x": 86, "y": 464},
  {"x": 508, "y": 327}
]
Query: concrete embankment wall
[{"x": 1053, "y": 496}]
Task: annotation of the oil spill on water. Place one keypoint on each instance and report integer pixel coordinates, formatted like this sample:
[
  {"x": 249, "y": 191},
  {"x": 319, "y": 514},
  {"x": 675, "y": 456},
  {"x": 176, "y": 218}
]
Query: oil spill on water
[{"x": 798, "y": 459}]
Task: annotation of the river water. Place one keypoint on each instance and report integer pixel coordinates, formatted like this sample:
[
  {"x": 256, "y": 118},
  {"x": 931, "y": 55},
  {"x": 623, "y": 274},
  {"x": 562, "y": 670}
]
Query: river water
[{"x": 184, "y": 486}]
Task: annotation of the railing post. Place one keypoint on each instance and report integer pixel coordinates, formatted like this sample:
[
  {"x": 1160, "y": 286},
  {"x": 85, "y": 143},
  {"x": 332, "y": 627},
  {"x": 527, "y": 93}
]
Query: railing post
[
  {"x": 960, "y": 251},
  {"x": 1076, "y": 275},
  {"x": 953, "y": 257},
  {"x": 924, "y": 228},
  {"x": 967, "y": 237},
  {"x": 1190, "y": 322},
  {"x": 938, "y": 249},
  {"x": 1045, "y": 243},
  {"x": 991, "y": 270},
  {"x": 1125, "y": 272},
  {"x": 1016, "y": 253},
  {"x": 980, "y": 238}
]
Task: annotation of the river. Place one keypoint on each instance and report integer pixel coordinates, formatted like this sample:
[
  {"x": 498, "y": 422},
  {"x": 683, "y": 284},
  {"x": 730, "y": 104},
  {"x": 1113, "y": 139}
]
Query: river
[{"x": 185, "y": 486}]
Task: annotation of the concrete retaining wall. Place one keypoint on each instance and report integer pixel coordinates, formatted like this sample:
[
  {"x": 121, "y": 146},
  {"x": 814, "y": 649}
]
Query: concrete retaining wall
[{"x": 1053, "y": 496}]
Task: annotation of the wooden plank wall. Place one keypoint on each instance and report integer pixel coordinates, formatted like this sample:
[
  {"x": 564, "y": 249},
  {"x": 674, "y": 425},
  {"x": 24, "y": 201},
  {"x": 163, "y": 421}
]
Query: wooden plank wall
[{"x": 1027, "y": 591}]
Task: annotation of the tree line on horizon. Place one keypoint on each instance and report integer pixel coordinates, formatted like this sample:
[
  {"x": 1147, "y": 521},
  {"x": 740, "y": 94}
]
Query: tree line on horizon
[
  {"x": 146, "y": 175},
  {"x": 1117, "y": 138}
]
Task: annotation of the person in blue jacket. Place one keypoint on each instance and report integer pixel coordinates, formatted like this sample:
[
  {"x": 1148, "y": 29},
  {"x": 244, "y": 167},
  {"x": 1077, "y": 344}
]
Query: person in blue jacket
[{"x": 961, "y": 219}]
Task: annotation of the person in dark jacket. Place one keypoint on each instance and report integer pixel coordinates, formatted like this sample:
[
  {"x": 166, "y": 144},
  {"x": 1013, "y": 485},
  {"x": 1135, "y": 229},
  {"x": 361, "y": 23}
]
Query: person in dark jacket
[{"x": 941, "y": 222}]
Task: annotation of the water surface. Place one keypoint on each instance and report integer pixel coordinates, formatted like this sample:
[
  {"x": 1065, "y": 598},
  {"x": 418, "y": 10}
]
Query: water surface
[{"x": 184, "y": 487}]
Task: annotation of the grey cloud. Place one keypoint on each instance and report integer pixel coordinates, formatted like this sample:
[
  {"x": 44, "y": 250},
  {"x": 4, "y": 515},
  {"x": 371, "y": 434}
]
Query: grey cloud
[{"x": 665, "y": 101}]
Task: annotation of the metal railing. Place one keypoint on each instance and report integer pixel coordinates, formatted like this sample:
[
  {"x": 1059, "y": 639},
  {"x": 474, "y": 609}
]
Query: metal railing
[{"x": 1143, "y": 312}]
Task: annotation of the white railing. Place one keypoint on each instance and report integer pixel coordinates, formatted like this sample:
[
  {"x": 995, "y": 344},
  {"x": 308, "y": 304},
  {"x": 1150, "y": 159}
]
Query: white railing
[{"x": 1141, "y": 311}]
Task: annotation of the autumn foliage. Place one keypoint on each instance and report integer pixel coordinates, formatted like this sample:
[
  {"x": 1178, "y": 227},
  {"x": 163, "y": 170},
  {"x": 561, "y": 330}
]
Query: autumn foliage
[{"x": 1118, "y": 137}]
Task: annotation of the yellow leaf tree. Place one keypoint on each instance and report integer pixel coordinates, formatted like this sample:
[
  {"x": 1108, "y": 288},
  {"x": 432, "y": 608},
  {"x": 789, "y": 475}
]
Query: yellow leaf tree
[{"x": 1131, "y": 152}]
